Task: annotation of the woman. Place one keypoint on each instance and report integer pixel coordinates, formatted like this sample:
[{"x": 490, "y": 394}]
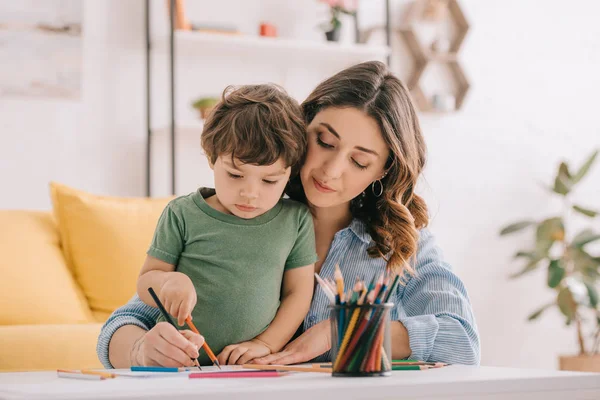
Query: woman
[{"x": 365, "y": 155}]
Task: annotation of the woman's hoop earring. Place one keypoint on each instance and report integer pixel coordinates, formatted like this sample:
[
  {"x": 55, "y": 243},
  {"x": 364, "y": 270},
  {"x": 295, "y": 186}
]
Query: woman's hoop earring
[{"x": 380, "y": 188}]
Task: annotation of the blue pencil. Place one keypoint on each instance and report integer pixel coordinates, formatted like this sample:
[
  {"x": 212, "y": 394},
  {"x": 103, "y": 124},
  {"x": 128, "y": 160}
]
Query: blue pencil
[{"x": 158, "y": 369}]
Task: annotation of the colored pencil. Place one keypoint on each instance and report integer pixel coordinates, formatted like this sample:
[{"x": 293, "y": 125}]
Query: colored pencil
[
  {"x": 410, "y": 362},
  {"x": 167, "y": 317},
  {"x": 100, "y": 373},
  {"x": 295, "y": 368},
  {"x": 78, "y": 375},
  {"x": 410, "y": 367},
  {"x": 326, "y": 288},
  {"x": 237, "y": 374},
  {"x": 210, "y": 353},
  {"x": 158, "y": 369}
]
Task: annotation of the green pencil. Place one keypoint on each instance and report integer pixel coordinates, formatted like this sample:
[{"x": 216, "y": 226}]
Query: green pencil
[{"x": 409, "y": 367}]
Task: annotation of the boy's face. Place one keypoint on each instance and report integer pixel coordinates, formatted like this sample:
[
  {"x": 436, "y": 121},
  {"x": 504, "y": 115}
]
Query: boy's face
[{"x": 247, "y": 190}]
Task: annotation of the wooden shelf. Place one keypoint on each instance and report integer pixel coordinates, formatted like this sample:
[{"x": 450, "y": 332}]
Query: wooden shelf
[
  {"x": 423, "y": 56},
  {"x": 190, "y": 43}
]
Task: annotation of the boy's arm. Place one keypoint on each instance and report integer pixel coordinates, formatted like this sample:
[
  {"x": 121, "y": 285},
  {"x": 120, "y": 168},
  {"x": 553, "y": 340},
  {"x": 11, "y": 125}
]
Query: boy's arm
[
  {"x": 153, "y": 274},
  {"x": 174, "y": 289},
  {"x": 297, "y": 290}
]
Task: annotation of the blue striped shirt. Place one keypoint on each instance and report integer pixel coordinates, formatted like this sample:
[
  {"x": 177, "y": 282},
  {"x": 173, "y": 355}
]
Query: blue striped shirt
[{"x": 433, "y": 305}]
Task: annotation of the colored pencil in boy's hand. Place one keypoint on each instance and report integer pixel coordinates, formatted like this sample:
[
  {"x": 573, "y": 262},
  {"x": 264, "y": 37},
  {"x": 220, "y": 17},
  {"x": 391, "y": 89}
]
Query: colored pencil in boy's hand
[
  {"x": 167, "y": 317},
  {"x": 211, "y": 355}
]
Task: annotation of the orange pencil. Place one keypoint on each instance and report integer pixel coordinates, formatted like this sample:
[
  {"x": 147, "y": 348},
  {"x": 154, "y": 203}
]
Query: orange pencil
[
  {"x": 104, "y": 374},
  {"x": 211, "y": 355}
]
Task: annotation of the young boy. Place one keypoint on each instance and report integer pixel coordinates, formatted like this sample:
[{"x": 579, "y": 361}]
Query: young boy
[{"x": 239, "y": 259}]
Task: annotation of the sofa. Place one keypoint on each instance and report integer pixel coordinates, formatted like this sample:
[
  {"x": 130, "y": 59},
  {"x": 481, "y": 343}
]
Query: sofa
[{"x": 63, "y": 273}]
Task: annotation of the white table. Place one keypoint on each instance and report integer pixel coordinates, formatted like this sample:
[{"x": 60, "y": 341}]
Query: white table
[{"x": 452, "y": 382}]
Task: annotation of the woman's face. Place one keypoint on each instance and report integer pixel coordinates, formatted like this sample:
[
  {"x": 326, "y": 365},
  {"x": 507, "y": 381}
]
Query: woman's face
[{"x": 346, "y": 153}]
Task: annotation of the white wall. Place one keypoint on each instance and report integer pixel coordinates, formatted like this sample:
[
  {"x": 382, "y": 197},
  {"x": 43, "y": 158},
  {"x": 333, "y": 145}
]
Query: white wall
[{"x": 534, "y": 101}]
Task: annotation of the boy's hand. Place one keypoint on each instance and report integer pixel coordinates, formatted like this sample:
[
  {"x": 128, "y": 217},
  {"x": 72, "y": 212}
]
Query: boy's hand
[
  {"x": 165, "y": 346},
  {"x": 312, "y": 343},
  {"x": 178, "y": 295},
  {"x": 242, "y": 353}
]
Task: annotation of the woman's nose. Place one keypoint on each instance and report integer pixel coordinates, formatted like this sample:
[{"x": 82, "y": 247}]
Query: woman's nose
[{"x": 333, "y": 167}]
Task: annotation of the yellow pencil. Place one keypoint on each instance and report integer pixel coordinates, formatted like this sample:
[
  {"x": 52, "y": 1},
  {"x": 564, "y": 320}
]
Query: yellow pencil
[{"x": 296, "y": 368}]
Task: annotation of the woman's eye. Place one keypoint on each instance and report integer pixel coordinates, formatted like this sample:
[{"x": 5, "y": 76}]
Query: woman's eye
[
  {"x": 234, "y": 176},
  {"x": 269, "y": 182},
  {"x": 322, "y": 143},
  {"x": 359, "y": 165}
]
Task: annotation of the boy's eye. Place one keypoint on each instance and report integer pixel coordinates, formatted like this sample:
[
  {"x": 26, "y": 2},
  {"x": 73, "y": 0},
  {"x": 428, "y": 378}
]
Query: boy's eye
[
  {"x": 322, "y": 143},
  {"x": 269, "y": 182},
  {"x": 234, "y": 176}
]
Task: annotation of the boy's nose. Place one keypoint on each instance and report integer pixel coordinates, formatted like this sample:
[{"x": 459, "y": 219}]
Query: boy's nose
[{"x": 250, "y": 192}]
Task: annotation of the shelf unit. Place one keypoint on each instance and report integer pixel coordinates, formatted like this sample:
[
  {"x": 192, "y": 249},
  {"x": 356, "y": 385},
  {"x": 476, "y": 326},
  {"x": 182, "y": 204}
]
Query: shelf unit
[
  {"x": 422, "y": 56},
  {"x": 189, "y": 42},
  {"x": 199, "y": 44}
]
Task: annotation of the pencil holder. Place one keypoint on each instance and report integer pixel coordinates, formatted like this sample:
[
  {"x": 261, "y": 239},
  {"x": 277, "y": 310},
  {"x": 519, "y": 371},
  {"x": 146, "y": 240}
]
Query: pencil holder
[{"x": 360, "y": 340}]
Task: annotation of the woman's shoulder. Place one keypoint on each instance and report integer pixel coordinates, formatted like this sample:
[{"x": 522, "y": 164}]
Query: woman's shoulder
[{"x": 428, "y": 251}]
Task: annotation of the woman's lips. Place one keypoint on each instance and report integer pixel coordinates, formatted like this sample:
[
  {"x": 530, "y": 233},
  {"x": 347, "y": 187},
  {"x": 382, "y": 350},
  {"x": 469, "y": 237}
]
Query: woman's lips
[{"x": 321, "y": 187}]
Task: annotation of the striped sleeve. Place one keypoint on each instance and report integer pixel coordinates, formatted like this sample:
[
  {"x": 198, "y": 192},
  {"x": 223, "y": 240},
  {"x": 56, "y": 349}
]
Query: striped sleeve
[
  {"x": 135, "y": 312},
  {"x": 436, "y": 311}
]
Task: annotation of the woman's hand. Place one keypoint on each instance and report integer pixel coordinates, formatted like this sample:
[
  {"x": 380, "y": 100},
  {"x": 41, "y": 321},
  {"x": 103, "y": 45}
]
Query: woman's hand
[
  {"x": 242, "y": 353},
  {"x": 165, "y": 346},
  {"x": 312, "y": 343},
  {"x": 178, "y": 295}
]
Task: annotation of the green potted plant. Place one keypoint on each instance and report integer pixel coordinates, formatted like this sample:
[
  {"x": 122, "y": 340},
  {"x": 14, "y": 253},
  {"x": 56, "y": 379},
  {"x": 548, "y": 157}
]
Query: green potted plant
[
  {"x": 572, "y": 271},
  {"x": 336, "y": 9},
  {"x": 204, "y": 105}
]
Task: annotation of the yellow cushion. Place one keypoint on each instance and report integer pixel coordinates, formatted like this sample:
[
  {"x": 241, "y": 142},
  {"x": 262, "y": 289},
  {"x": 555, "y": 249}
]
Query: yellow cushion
[
  {"x": 105, "y": 240},
  {"x": 36, "y": 286},
  {"x": 48, "y": 347}
]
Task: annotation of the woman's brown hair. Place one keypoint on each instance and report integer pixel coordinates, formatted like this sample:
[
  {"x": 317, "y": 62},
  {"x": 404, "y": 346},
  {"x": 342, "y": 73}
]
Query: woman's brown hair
[{"x": 394, "y": 218}]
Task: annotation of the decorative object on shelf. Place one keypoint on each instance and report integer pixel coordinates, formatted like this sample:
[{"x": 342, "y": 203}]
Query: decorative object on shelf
[
  {"x": 181, "y": 22},
  {"x": 336, "y": 9},
  {"x": 208, "y": 27},
  {"x": 573, "y": 273},
  {"x": 268, "y": 30},
  {"x": 204, "y": 105},
  {"x": 442, "y": 50}
]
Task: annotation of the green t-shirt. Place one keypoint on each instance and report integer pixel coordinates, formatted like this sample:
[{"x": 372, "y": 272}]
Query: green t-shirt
[{"x": 236, "y": 264}]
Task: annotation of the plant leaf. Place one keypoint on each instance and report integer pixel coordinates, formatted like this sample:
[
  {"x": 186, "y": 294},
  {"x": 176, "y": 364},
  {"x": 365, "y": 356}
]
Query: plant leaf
[
  {"x": 549, "y": 231},
  {"x": 584, "y": 237},
  {"x": 585, "y": 211},
  {"x": 531, "y": 265},
  {"x": 562, "y": 182},
  {"x": 526, "y": 254},
  {"x": 517, "y": 226},
  {"x": 539, "y": 312},
  {"x": 584, "y": 263},
  {"x": 556, "y": 273},
  {"x": 566, "y": 303},
  {"x": 585, "y": 167},
  {"x": 592, "y": 293}
]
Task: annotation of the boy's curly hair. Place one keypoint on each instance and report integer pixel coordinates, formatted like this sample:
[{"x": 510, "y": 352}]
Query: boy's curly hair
[{"x": 256, "y": 124}]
